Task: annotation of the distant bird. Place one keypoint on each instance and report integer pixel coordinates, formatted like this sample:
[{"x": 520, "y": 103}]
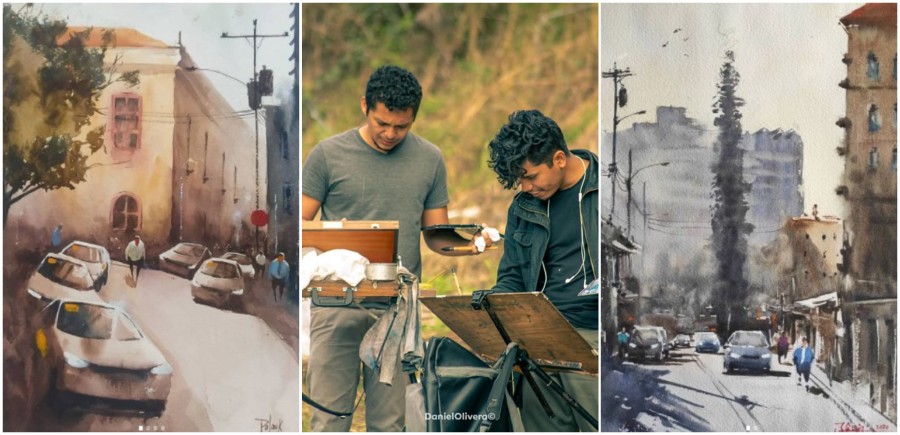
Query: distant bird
[
  {"x": 686, "y": 55},
  {"x": 685, "y": 39},
  {"x": 677, "y": 30},
  {"x": 667, "y": 43}
]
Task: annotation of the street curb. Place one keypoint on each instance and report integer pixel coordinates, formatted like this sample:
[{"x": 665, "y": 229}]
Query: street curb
[{"x": 841, "y": 402}]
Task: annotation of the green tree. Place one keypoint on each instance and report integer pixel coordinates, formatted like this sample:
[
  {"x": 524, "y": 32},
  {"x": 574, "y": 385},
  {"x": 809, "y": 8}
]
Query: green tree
[
  {"x": 729, "y": 217},
  {"x": 50, "y": 92}
]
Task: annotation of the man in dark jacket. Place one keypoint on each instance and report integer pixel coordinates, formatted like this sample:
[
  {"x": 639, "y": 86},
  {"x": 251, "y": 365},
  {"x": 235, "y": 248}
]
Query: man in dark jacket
[{"x": 551, "y": 244}]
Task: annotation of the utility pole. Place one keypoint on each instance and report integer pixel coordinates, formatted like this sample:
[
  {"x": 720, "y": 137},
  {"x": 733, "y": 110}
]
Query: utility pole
[
  {"x": 628, "y": 188},
  {"x": 255, "y": 83},
  {"x": 644, "y": 196},
  {"x": 617, "y": 75}
]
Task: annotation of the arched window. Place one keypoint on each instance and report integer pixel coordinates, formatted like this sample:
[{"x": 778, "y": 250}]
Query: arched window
[
  {"x": 872, "y": 62},
  {"x": 874, "y": 119},
  {"x": 126, "y": 213}
]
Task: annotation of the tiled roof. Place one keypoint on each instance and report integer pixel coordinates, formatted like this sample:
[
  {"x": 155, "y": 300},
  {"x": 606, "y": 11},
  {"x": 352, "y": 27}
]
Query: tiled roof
[
  {"x": 873, "y": 14},
  {"x": 121, "y": 37}
]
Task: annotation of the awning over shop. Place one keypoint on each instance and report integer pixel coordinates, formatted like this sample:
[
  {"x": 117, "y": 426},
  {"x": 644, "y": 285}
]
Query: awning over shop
[
  {"x": 829, "y": 299},
  {"x": 613, "y": 237}
]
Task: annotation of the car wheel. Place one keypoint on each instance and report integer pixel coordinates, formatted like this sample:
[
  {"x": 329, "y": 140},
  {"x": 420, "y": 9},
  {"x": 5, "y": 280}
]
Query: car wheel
[{"x": 155, "y": 408}]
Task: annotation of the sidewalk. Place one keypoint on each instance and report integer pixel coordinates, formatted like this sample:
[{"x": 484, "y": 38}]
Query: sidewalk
[{"x": 843, "y": 395}]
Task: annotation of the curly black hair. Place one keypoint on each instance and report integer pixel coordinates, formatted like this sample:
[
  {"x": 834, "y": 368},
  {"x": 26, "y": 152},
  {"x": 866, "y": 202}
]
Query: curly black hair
[
  {"x": 394, "y": 87},
  {"x": 529, "y": 134}
]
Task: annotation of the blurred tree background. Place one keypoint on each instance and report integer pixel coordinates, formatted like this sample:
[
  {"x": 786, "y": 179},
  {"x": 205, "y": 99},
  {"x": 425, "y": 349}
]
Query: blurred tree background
[{"x": 476, "y": 64}]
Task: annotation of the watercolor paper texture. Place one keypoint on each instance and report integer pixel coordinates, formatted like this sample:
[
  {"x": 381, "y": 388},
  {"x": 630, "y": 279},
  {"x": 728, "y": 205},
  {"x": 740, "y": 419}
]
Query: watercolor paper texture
[
  {"x": 138, "y": 194},
  {"x": 750, "y": 161}
]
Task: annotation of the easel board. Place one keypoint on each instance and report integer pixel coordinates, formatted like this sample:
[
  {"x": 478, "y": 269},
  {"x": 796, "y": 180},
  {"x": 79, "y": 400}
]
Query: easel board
[{"x": 530, "y": 319}]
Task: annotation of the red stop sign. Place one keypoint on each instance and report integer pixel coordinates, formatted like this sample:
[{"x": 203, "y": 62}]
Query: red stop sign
[{"x": 259, "y": 218}]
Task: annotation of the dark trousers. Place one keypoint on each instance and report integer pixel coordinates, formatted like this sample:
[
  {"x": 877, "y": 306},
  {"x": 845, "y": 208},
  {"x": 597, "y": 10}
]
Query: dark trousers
[
  {"x": 135, "y": 263},
  {"x": 278, "y": 288},
  {"x": 804, "y": 374}
]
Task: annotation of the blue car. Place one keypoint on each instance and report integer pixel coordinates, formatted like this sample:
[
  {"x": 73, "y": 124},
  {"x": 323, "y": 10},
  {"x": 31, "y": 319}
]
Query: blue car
[
  {"x": 707, "y": 342},
  {"x": 747, "y": 350}
]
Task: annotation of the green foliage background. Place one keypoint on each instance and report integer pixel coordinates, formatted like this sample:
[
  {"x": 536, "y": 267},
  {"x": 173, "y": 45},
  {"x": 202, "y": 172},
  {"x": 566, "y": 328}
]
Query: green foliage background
[{"x": 476, "y": 63}]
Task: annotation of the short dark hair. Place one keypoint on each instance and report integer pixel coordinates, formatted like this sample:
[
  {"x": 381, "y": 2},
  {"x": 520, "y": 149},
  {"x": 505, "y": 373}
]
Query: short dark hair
[
  {"x": 529, "y": 134},
  {"x": 394, "y": 87}
]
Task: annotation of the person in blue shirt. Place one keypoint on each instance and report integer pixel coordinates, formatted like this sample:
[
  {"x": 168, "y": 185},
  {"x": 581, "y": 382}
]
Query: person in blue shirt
[
  {"x": 803, "y": 359},
  {"x": 56, "y": 237},
  {"x": 278, "y": 273}
]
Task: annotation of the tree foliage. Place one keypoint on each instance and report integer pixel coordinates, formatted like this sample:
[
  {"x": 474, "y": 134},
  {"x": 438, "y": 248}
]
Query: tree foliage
[
  {"x": 50, "y": 93},
  {"x": 729, "y": 222}
]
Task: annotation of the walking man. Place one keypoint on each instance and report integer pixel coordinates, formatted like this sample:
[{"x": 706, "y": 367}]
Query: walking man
[
  {"x": 803, "y": 359},
  {"x": 134, "y": 255},
  {"x": 622, "y": 340},
  {"x": 783, "y": 345},
  {"x": 278, "y": 273},
  {"x": 56, "y": 237}
]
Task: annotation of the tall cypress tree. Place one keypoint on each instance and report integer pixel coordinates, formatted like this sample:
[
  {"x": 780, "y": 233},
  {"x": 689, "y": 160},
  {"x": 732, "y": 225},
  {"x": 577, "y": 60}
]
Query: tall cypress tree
[{"x": 729, "y": 223}]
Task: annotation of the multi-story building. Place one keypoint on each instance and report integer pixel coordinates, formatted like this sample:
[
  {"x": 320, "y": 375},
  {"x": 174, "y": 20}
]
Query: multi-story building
[
  {"x": 869, "y": 185},
  {"x": 283, "y": 193},
  {"x": 773, "y": 165},
  {"x": 173, "y": 166}
]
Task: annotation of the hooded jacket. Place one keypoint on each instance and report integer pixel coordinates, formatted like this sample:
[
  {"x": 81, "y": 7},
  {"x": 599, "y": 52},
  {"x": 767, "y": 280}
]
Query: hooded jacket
[{"x": 528, "y": 234}]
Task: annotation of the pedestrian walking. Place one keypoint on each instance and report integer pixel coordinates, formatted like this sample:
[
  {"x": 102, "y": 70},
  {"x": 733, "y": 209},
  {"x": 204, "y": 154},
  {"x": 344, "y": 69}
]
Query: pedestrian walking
[
  {"x": 803, "y": 359},
  {"x": 56, "y": 236},
  {"x": 278, "y": 273},
  {"x": 783, "y": 345},
  {"x": 134, "y": 255},
  {"x": 622, "y": 340}
]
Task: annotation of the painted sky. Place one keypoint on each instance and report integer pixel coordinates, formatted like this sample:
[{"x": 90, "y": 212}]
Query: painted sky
[
  {"x": 201, "y": 27},
  {"x": 789, "y": 58}
]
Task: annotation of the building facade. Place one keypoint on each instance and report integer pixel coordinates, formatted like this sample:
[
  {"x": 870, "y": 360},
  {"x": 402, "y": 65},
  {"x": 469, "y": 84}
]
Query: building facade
[
  {"x": 160, "y": 173},
  {"x": 869, "y": 185}
]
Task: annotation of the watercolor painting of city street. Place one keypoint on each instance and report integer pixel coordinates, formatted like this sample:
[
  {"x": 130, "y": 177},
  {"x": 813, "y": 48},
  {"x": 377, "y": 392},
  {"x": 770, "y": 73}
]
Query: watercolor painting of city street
[
  {"x": 150, "y": 229},
  {"x": 749, "y": 217}
]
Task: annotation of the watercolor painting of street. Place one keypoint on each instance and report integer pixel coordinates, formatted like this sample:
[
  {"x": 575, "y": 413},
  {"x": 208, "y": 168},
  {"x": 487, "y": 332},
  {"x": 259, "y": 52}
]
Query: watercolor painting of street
[
  {"x": 150, "y": 229},
  {"x": 749, "y": 217}
]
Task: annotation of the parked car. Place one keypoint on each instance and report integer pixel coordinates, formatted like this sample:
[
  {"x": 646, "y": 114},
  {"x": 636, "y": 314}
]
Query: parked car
[
  {"x": 218, "y": 282},
  {"x": 95, "y": 257},
  {"x": 707, "y": 342},
  {"x": 747, "y": 350},
  {"x": 184, "y": 259},
  {"x": 664, "y": 335},
  {"x": 62, "y": 277},
  {"x": 646, "y": 342},
  {"x": 682, "y": 340},
  {"x": 97, "y": 350},
  {"x": 244, "y": 262}
]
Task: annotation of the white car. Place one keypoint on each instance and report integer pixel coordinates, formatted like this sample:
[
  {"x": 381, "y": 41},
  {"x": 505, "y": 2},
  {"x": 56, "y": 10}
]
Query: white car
[
  {"x": 96, "y": 349},
  {"x": 62, "y": 277},
  {"x": 183, "y": 259},
  {"x": 219, "y": 282},
  {"x": 95, "y": 257},
  {"x": 244, "y": 261}
]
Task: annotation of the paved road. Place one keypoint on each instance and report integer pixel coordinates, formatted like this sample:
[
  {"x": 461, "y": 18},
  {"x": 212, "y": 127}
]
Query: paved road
[
  {"x": 692, "y": 392},
  {"x": 231, "y": 371}
]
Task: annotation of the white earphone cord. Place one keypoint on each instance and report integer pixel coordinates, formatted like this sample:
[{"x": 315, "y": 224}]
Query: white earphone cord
[{"x": 580, "y": 227}]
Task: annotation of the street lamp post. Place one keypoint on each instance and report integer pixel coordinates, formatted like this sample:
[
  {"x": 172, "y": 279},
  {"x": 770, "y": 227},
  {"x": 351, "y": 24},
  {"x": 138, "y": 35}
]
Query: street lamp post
[{"x": 628, "y": 182}]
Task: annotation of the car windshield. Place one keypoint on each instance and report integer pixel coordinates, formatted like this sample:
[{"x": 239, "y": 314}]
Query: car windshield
[
  {"x": 747, "y": 339},
  {"x": 646, "y": 335},
  {"x": 682, "y": 337},
  {"x": 83, "y": 253},
  {"x": 707, "y": 338},
  {"x": 220, "y": 269},
  {"x": 189, "y": 250},
  {"x": 239, "y": 258},
  {"x": 96, "y": 322},
  {"x": 67, "y": 273}
]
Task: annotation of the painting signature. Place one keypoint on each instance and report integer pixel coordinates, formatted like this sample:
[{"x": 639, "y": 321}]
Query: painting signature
[
  {"x": 858, "y": 427},
  {"x": 267, "y": 425}
]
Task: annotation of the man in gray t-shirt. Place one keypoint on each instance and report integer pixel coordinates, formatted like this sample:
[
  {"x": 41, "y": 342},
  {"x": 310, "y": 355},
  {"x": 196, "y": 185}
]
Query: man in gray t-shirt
[{"x": 379, "y": 171}]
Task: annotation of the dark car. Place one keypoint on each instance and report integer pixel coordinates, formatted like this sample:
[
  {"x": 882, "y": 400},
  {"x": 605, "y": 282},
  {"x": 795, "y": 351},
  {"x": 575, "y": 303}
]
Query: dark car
[
  {"x": 707, "y": 342},
  {"x": 646, "y": 342},
  {"x": 682, "y": 340},
  {"x": 184, "y": 259},
  {"x": 747, "y": 350}
]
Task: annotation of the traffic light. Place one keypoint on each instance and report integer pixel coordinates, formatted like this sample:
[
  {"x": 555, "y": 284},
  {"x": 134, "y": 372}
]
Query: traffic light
[
  {"x": 266, "y": 86},
  {"x": 253, "y": 95}
]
